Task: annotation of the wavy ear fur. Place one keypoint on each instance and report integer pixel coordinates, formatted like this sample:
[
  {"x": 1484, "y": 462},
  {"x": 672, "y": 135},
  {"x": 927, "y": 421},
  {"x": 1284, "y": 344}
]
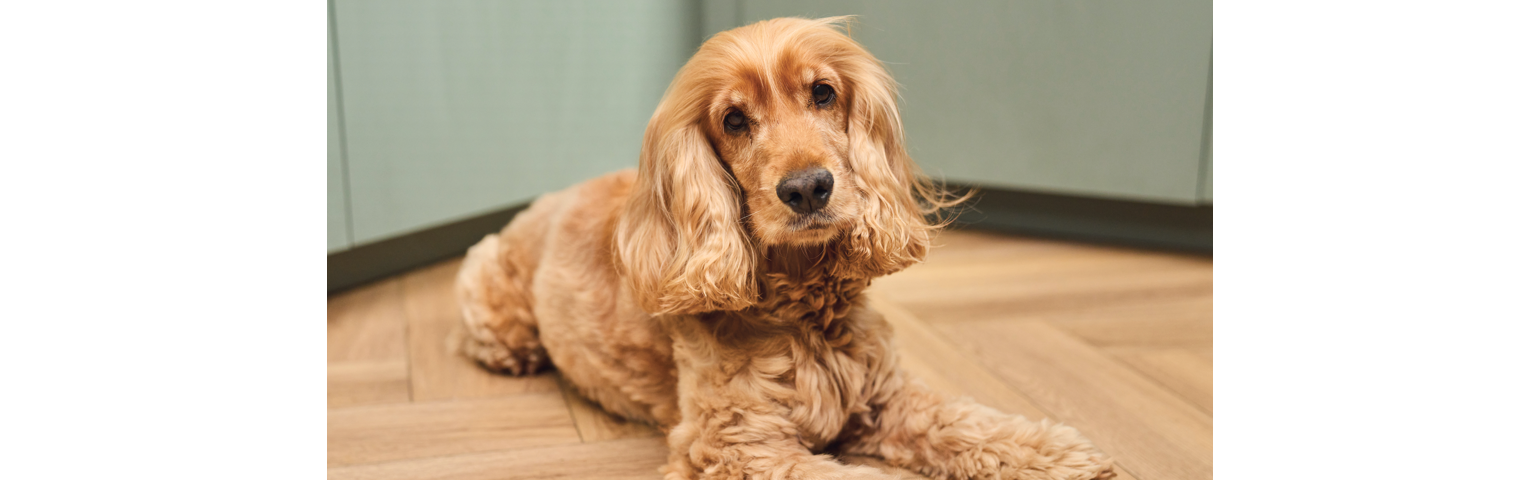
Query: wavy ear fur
[
  {"x": 680, "y": 244},
  {"x": 893, "y": 231}
]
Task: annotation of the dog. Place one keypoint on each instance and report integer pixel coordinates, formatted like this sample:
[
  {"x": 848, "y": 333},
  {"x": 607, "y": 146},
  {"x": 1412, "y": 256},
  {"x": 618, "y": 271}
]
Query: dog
[{"x": 716, "y": 291}]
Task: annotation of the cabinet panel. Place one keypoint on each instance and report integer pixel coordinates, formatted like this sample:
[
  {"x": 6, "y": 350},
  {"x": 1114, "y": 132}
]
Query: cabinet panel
[
  {"x": 455, "y": 108},
  {"x": 1207, "y": 195},
  {"x": 1092, "y": 98},
  {"x": 1208, "y": 174},
  {"x": 336, "y": 188}
]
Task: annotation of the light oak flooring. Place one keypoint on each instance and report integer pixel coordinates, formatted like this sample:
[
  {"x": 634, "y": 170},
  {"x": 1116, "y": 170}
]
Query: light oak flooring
[{"x": 1116, "y": 342}]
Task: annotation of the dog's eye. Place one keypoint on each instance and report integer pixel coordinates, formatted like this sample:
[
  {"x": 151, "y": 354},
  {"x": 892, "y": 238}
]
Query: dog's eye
[
  {"x": 823, "y": 94},
  {"x": 735, "y": 122}
]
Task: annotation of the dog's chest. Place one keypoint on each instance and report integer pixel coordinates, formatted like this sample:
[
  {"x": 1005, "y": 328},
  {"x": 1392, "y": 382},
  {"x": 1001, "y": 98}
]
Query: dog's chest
[{"x": 818, "y": 391}]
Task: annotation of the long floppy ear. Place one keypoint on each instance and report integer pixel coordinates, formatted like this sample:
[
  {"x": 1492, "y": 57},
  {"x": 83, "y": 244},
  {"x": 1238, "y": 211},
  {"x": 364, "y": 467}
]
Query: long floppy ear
[
  {"x": 894, "y": 231},
  {"x": 679, "y": 241}
]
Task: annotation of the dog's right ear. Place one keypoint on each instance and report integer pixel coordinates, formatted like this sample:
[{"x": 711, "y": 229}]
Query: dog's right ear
[{"x": 679, "y": 242}]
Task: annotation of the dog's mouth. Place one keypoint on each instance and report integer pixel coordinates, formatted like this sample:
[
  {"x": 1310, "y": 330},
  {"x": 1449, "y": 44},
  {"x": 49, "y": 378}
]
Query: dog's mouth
[
  {"x": 811, "y": 228},
  {"x": 811, "y": 222}
]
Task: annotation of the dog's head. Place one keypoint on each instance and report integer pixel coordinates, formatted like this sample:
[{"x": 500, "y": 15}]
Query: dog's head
[{"x": 778, "y": 134}]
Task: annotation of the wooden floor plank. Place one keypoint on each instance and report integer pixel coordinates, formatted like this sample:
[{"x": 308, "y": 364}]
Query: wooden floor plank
[
  {"x": 1187, "y": 371},
  {"x": 967, "y": 300},
  {"x": 366, "y": 323},
  {"x": 1176, "y": 322},
  {"x": 940, "y": 365},
  {"x": 616, "y": 459},
  {"x": 596, "y": 425},
  {"x": 957, "y": 247},
  {"x": 1150, "y": 431},
  {"x": 437, "y": 372},
  {"x": 1073, "y": 265},
  {"x": 367, "y": 382},
  {"x": 969, "y": 254},
  {"x": 366, "y": 346},
  {"x": 372, "y": 434},
  {"x": 992, "y": 276}
]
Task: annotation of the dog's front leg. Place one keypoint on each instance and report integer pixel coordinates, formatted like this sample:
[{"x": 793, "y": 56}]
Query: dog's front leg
[
  {"x": 720, "y": 438},
  {"x": 919, "y": 429}
]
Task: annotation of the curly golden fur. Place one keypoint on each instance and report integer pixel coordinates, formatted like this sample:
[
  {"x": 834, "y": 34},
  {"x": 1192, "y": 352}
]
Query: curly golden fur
[{"x": 688, "y": 295}]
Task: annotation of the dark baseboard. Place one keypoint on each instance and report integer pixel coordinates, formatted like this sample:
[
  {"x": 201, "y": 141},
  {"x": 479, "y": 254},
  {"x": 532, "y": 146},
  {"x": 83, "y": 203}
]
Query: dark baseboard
[
  {"x": 1119, "y": 222},
  {"x": 373, "y": 261}
]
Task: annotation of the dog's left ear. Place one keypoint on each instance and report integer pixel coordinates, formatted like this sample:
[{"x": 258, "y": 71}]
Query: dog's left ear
[{"x": 893, "y": 232}]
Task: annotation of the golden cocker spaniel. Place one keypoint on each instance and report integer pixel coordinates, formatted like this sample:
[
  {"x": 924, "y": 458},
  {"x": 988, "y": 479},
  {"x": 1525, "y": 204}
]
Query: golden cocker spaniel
[{"x": 716, "y": 291}]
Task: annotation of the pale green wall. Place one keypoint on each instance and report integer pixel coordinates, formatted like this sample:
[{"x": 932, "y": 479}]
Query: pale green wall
[
  {"x": 455, "y": 108},
  {"x": 1101, "y": 98},
  {"x": 719, "y": 15},
  {"x": 337, "y": 237}
]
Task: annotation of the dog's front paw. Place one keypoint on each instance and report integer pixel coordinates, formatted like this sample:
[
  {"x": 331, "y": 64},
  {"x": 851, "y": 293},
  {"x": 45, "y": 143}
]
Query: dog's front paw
[
  {"x": 1013, "y": 448},
  {"x": 1095, "y": 468},
  {"x": 1062, "y": 453}
]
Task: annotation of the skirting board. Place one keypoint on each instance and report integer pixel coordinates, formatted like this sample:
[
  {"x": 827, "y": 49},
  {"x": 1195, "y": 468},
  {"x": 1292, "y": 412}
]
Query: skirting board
[
  {"x": 373, "y": 261},
  {"x": 1120, "y": 222}
]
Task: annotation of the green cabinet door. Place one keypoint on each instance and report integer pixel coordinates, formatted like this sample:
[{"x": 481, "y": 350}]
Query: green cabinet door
[{"x": 337, "y": 237}]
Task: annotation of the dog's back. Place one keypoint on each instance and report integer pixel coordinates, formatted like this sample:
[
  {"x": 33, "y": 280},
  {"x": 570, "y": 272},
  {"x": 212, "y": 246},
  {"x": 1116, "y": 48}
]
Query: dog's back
[{"x": 561, "y": 251}]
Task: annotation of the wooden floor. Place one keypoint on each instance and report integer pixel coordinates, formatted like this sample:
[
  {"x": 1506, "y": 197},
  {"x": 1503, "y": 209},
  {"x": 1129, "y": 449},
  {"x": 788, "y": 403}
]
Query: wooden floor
[{"x": 1116, "y": 342}]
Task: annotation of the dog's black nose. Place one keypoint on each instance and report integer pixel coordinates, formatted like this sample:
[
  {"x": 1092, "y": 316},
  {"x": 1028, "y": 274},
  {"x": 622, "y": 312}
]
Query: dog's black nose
[{"x": 807, "y": 190}]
